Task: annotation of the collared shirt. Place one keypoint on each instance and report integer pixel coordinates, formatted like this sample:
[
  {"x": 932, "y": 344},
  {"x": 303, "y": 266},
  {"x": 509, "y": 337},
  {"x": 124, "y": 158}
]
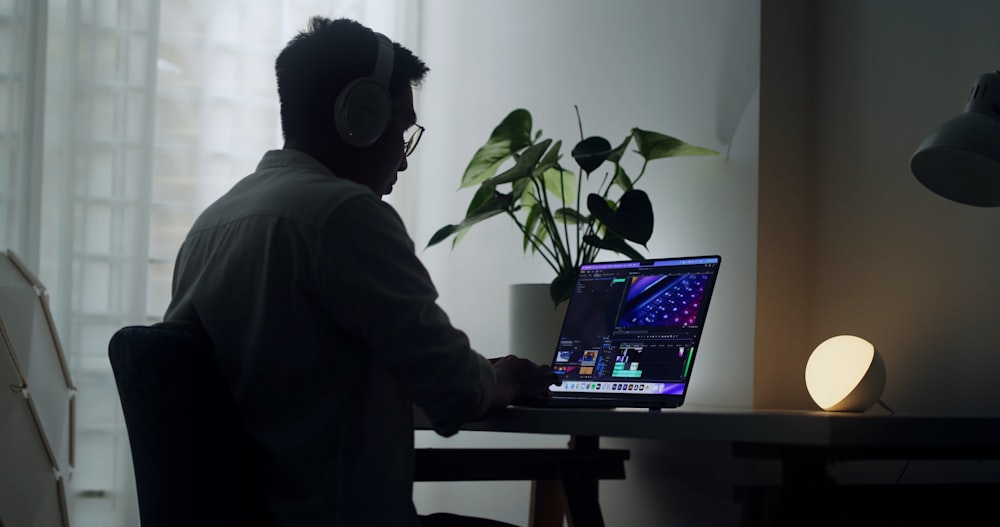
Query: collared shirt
[{"x": 326, "y": 326}]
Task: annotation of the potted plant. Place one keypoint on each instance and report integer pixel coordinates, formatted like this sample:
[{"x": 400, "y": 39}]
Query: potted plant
[{"x": 544, "y": 200}]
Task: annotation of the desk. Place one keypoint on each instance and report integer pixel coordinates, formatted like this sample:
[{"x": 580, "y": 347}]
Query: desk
[{"x": 804, "y": 442}]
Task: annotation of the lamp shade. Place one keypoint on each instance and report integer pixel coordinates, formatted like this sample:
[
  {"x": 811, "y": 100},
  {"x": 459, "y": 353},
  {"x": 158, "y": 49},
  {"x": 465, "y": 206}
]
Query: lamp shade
[
  {"x": 960, "y": 160},
  {"x": 36, "y": 405},
  {"x": 845, "y": 374}
]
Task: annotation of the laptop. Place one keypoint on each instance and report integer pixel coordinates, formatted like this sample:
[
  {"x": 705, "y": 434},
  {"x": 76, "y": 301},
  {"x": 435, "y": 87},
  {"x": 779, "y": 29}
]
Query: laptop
[{"x": 631, "y": 333}]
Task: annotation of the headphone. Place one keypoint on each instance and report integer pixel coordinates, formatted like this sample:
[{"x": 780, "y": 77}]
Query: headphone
[{"x": 363, "y": 106}]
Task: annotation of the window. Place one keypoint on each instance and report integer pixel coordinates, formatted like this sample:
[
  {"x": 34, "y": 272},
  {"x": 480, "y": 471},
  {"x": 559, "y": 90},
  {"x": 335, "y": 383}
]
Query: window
[
  {"x": 19, "y": 105},
  {"x": 120, "y": 120}
]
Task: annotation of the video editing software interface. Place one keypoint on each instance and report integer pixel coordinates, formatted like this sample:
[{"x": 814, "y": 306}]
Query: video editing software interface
[{"x": 634, "y": 326}]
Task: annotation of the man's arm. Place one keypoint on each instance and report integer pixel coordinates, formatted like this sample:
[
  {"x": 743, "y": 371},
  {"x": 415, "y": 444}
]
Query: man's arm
[
  {"x": 520, "y": 379},
  {"x": 378, "y": 290}
]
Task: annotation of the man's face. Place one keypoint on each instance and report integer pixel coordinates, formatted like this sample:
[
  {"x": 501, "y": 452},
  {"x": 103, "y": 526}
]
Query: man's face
[{"x": 387, "y": 154}]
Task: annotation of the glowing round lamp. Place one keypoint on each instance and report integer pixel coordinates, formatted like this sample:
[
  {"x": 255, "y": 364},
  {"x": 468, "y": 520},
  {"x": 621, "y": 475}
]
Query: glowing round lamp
[{"x": 845, "y": 374}]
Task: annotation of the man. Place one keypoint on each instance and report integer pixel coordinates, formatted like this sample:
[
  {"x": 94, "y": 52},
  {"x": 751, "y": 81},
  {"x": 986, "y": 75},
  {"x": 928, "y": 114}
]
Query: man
[{"x": 322, "y": 318}]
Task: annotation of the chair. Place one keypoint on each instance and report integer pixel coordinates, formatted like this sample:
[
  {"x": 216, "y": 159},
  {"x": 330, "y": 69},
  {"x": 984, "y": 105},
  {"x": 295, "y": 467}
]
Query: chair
[{"x": 189, "y": 449}]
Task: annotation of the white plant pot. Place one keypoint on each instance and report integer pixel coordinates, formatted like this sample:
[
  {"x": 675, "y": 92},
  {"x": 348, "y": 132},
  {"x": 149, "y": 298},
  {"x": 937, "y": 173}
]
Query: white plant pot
[{"x": 534, "y": 322}]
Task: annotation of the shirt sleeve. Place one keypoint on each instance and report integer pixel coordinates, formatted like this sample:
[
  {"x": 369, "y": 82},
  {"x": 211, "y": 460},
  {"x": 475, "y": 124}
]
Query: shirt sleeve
[{"x": 376, "y": 287}]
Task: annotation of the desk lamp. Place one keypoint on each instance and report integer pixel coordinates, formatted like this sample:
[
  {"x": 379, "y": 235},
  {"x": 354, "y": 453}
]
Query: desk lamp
[
  {"x": 845, "y": 374},
  {"x": 960, "y": 160}
]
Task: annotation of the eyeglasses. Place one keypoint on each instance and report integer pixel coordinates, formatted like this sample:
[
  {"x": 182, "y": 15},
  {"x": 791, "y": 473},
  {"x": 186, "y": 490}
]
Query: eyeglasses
[{"x": 413, "y": 132}]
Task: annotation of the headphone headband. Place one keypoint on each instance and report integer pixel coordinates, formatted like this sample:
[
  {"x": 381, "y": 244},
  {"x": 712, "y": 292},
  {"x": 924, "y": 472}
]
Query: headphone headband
[{"x": 383, "y": 62}]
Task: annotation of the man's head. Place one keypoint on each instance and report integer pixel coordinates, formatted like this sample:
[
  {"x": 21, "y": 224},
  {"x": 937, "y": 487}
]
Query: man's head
[{"x": 314, "y": 69}]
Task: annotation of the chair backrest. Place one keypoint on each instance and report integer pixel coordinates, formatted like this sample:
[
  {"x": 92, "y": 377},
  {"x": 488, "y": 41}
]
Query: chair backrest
[{"x": 192, "y": 460}]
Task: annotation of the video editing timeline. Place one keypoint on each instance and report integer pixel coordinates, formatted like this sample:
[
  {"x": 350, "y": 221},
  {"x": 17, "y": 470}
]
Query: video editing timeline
[{"x": 634, "y": 331}]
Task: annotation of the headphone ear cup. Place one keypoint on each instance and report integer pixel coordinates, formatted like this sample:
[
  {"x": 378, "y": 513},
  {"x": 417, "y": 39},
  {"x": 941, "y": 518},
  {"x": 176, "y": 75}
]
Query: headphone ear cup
[
  {"x": 362, "y": 112},
  {"x": 363, "y": 107}
]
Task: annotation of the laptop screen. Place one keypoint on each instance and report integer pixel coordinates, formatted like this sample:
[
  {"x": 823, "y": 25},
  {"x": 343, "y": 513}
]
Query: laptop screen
[{"x": 632, "y": 330}]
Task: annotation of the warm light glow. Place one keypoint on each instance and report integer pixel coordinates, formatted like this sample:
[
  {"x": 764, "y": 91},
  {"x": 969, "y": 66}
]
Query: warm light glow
[{"x": 845, "y": 373}]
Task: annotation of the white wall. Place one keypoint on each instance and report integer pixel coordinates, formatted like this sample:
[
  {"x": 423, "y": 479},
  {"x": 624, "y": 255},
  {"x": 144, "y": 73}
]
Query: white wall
[
  {"x": 684, "y": 67},
  {"x": 849, "y": 240},
  {"x": 886, "y": 258},
  {"x": 911, "y": 271}
]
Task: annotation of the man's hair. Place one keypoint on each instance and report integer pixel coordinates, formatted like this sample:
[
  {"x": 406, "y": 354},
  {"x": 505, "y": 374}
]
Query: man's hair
[{"x": 323, "y": 59}]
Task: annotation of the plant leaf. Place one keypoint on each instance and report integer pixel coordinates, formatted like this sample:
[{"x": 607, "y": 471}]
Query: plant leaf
[
  {"x": 569, "y": 216},
  {"x": 542, "y": 233},
  {"x": 617, "y": 153},
  {"x": 614, "y": 243},
  {"x": 524, "y": 167},
  {"x": 600, "y": 207},
  {"x": 494, "y": 203},
  {"x": 483, "y": 194},
  {"x": 442, "y": 234},
  {"x": 519, "y": 188},
  {"x": 550, "y": 160},
  {"x": 527, "y": 196},
  {"x": 622, "y": 180},
  {"x": 483, "y": 214},
  {"x": 633, "y": 220},
  {"x": 534, "y": 213},
  {"x": 510, "y": 136},
  {"x": 591, "y": 152},
  {"x": 562, "y": 286},
  {"x": 654, "y": 145},
  {"x": 560, "y": 183}
]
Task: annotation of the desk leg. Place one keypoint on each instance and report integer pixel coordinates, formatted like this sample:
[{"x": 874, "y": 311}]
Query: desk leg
[
  {"x": 806, "y": 487},
  {"x": 580, "y": 494},
  {"x": 574, "y": 496},
  {"x": 546, "y": 504}
]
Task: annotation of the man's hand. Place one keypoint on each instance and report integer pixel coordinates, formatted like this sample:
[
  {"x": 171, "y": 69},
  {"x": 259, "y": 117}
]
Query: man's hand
[{"x": 519, "y": 379}]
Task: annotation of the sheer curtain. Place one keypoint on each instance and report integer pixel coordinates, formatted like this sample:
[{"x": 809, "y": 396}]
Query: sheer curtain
[
  {"x": 21, "y": 71},
  {"x": 120, "y": 120}
]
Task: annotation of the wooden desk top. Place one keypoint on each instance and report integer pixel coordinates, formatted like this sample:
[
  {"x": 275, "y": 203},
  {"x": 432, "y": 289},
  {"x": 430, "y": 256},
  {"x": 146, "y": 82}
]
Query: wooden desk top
[{"x": 786, "y": 428}]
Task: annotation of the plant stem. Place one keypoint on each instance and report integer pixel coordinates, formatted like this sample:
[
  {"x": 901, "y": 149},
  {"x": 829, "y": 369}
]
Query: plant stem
[
  {"x": 589, "y": 252},
  {"x": 580, "y": 250},
  {"x": 579, "y": 226},
  {"x": 550, "y": 222},
  {"x": 562, "y": 197},
  {"x": 641, "y": 172},
  {"x": 551, "y": 258}
]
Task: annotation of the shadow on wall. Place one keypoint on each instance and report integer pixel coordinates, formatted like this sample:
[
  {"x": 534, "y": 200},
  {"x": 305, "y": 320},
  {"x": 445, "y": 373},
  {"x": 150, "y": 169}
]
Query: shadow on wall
[
  {"x": 739, "y": 69},
  {"x": 957, "y": 353}
]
